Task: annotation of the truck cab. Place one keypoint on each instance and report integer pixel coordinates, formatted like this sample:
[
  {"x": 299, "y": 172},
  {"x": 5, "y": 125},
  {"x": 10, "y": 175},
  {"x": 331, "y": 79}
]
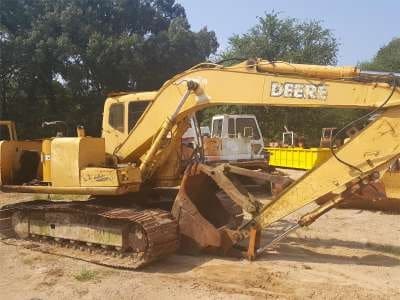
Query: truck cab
[{"x": 234, "y": 138}]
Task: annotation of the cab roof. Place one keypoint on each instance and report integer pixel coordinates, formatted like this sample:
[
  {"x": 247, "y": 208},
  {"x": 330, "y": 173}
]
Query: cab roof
[{"x": 129, "y": 97}]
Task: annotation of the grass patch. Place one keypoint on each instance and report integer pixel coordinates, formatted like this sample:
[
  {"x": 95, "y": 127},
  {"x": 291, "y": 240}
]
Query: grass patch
[
  {"x": 29, "y": 260},
  {"x": 85, "y": 275}
]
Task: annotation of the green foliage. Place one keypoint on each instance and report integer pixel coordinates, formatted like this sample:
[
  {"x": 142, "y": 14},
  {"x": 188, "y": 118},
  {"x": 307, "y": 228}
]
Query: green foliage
[
  {"x": 387, "y": 58},
  {"x": 85, "y": 275},
  {"x": 277, "y": 38},
  {"x": 59, "y": 58}
]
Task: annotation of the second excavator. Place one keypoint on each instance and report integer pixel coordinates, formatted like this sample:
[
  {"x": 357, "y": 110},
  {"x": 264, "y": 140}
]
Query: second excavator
[{"x": 147, "y": 202}]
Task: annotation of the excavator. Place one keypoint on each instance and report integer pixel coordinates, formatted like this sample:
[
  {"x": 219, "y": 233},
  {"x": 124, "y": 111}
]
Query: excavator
[{"x": 146, "y": 203}]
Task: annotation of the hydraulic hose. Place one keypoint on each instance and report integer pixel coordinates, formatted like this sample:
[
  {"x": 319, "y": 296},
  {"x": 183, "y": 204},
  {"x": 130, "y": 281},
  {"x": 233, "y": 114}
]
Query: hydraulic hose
[{"x": 376, "y": 110}]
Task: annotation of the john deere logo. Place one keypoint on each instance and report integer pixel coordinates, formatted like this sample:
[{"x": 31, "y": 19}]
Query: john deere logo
[{"x": 299, "y": 90}]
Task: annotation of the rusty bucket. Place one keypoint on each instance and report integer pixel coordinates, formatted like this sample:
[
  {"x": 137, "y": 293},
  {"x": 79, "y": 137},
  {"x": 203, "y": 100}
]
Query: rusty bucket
[{"x": 204, "y": 217}]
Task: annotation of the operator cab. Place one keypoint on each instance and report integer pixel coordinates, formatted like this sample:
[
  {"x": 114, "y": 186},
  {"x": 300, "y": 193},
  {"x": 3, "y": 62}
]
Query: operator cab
[
  {"x": 235, "y": 137},
  {"x": 121, "y": 114}
]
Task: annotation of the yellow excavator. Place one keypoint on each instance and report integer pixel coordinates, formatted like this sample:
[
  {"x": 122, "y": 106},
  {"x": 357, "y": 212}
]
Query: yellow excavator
[{"x": 133, "y": 170}]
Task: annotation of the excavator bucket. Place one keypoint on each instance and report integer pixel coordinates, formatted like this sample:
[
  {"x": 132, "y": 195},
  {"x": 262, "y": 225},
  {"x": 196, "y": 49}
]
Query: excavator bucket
[
  {"x": 202, "y": 213},
  {"x": 210, "y": 204},
  {"x": 382, "y": 195}
]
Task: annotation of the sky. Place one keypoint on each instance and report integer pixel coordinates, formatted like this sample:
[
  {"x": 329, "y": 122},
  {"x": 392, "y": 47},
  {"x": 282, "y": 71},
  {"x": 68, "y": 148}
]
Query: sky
[{"x": 361, "y": 27}]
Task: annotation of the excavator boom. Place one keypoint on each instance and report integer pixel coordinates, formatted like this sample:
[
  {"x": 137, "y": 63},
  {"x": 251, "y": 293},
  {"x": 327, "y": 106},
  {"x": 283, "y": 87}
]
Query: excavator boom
[{"x": 260, "y": 84}]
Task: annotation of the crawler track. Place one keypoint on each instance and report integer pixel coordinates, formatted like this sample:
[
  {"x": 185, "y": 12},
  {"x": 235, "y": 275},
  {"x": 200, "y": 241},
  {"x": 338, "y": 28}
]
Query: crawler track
[{"x": 157, "y": 229}]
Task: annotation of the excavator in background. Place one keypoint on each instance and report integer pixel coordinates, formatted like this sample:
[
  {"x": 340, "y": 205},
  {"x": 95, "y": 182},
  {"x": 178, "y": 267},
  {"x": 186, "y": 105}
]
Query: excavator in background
[
  {"x": 135, "y": 215},
  {"x": 8, "y": 131}
]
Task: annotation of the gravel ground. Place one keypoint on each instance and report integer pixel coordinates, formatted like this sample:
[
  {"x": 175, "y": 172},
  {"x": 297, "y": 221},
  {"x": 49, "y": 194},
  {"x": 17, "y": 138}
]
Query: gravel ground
[{"x": 347, "y": 254}]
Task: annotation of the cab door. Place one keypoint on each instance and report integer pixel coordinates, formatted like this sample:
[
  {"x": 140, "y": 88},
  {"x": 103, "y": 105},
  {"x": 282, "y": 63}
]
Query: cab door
[
  {"x": 114, "y": 129},
  {"x": 249, "y": 137},
  {"x": 235, "y": 145}
]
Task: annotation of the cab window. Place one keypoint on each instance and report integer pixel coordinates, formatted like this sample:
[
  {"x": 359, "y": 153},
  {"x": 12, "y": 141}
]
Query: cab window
[
  {"x": 135, "y": 111},
  {"x": 4, "y": 133},
  {"x": 217, "y": 128},
  {"x": 231, "y": 128},
  {"x": 116, "y": 117},
  {"x": 247, "y": 127}
]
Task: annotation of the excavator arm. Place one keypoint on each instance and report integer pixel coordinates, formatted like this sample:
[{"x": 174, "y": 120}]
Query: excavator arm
[
  {"x": 373, "y": 150},
  {"x": 370, "y": 153}
]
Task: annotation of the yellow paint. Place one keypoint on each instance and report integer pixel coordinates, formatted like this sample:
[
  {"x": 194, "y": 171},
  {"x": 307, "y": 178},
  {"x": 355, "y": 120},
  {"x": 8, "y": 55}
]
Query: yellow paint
[
  {"x": 297, "y": 158},
  {"x": 373, "y": 149},
  {"x": 307, "y": 70},
  {"x": 103, "y": 177},
  {"x": 391, "y": 182},
  {"x": 46, "y": 160},
  {"x": 74, "y": 228},
  {"x": 115, "y": 137},
  {"x": 70, "y": 155}
]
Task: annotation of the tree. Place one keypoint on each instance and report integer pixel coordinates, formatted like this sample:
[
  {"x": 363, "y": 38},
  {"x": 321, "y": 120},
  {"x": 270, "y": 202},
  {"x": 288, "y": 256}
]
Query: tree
[
  {"x": 59, "y": 58},
  {"x": 387, "y": 58},
  {"x": 277, "y": 38}
]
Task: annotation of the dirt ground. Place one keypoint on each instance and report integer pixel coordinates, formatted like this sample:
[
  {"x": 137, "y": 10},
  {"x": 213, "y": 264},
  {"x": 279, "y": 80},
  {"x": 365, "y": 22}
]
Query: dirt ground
[{"x": 347, "y": 254}]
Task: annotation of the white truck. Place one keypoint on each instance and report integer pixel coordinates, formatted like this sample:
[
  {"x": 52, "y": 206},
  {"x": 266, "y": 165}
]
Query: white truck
[{"x": 231, "y": 138}]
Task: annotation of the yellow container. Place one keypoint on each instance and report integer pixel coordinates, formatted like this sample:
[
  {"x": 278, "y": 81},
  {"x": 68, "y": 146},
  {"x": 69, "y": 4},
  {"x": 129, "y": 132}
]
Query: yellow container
[{"x": 297, "y": 158}]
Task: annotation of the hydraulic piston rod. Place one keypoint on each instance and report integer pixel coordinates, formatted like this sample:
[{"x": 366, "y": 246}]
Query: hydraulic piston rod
[
  {"x": 146, "y": 165},
  {"x": 327, "y": 72},
  {"x": 305, "y": 220}
]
